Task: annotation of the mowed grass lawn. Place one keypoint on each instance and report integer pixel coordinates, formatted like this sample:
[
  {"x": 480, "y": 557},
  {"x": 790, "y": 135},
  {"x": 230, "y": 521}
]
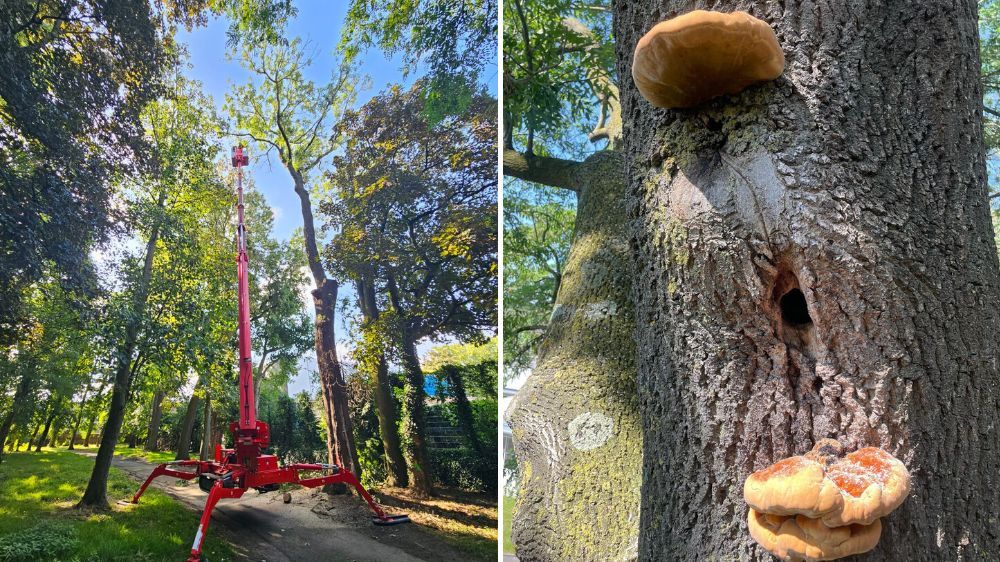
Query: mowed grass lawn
[
  {"x": 139, "y": 453},
  {"x": 508, "y": 518},
  {"x": 38, "y": 521}
]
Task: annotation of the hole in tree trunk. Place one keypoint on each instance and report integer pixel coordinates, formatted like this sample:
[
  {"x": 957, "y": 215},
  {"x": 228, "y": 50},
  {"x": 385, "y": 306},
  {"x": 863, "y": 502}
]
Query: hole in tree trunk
[
  {"x": 794, "y": 310},
  {"x": 790, "y": 312}
]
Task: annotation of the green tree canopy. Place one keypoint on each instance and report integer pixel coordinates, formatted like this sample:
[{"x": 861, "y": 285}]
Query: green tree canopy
[
  {"x": 77, "y": 74},
  {"x": 416, "y": 205},
  {"x": 453, "y": 39}
]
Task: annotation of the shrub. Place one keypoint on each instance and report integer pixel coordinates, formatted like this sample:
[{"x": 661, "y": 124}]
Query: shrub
[{"x": 43, "y": 541}]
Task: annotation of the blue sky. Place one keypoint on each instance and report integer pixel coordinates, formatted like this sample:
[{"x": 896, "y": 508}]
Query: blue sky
[{"x": 319, "y": 23}]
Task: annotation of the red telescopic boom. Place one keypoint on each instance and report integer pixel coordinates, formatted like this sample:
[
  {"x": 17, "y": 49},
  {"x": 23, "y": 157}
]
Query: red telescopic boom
[{"x": 248, "y": 410}]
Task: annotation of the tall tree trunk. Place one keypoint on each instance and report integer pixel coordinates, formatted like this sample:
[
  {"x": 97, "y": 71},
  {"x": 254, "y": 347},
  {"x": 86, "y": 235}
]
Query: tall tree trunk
[
  {"x": 576, "y": 416},
  {"x": 385, "y": 403},
  {"x": 96, "y": 493},
  {"x": 79, "y": 417},
  {"x": 340, "y": 430},
  {"x": 33, "y": 435},
  {"x": 56, "y": 432},
  {"x": 96, "y": 414},
  {"x": 190, "y": 416},
  {"x": 814, "y": 258},
  {"x": 90, "y": 429},
  {"x": 206, "y": 434},
  {"x": 153, "y": 431},
  {"x": 48, "y": 424},
  {"x": 416, "y": 421},
  {"x": 20, "y": 396}
]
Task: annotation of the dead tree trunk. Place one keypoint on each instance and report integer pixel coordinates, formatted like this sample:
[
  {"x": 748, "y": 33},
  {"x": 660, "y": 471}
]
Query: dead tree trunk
[
  {"x": 153, "y": 431},
  {"x": 576, "y": 416},
  {"x": 814, "y": 258},
  {"x": 385, "y": 404},
  {"x": 340, "y": 429}
]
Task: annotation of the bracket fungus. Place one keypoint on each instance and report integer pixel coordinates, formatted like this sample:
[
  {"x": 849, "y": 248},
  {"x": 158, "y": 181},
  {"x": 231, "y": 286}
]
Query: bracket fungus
[
  {"x": 801, "y": 538},
  {"x": 687, "y": 60},
  {"x": 824, "y": 505}
]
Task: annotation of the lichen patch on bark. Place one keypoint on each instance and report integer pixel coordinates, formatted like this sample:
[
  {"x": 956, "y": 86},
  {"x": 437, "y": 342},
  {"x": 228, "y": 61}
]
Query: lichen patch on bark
[{"x": 590, "y": 430}]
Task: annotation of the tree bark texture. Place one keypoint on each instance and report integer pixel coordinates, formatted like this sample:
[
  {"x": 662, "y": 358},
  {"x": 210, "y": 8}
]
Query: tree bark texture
[
  {"x": 416, "y": 420},
  {"x": 385, "y": 403},
  {"x": 340, "y": 429},
  {"x": 577, "y": 432},
  {"x": 814, "y": 258},
  {"x": 153, "y": 431}
]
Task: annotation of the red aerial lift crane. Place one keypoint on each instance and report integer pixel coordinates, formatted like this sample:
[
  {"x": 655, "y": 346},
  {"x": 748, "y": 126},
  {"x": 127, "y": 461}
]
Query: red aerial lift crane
[{"x": 245, "y": 466}]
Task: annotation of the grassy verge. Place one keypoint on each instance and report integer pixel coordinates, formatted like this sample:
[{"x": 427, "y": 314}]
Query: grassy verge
[
  {"x": 466, "y": 521},
  {"x": 508, "y": 517},
  {"x": 38, "y": 520},
  {"x": 137, "y": 453}
]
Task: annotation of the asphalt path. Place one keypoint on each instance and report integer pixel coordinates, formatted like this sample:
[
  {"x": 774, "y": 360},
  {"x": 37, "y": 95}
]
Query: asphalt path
[{"x": 262, "y": 527}]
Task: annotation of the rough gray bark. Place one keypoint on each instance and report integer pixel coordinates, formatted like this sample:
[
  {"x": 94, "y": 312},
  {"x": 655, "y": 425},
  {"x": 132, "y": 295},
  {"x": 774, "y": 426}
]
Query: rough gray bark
[
  {"x": 576, "y": 424},
  {"x": 814, "y": 258}
]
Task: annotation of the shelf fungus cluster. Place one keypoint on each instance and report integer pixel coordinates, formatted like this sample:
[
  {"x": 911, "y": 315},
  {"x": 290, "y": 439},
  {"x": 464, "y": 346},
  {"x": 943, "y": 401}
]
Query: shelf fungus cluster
[
  {"x": 824, "y": 505},
  {"x": 690, "y": 59}
]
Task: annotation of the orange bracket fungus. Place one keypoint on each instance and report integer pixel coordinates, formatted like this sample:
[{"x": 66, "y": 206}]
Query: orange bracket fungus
[
  {"x": 687, "y": 60},
  {"x": 824, "y": 505}
]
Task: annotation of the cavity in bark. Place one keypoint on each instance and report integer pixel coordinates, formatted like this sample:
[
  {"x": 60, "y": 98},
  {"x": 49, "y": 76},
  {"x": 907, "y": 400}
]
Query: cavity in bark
[{"x": 791, "y": 312}]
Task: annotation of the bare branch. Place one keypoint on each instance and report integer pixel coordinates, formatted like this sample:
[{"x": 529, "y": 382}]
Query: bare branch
[{"x": 545, "y": 170}]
